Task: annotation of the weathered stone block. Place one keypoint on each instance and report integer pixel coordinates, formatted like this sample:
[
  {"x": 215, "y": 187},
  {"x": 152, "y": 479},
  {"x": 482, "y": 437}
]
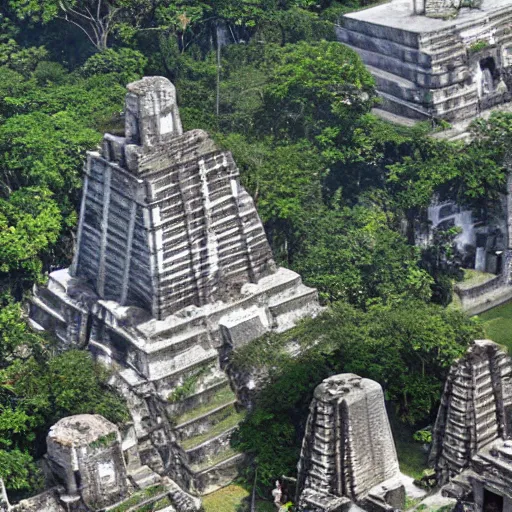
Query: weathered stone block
[{"x": 84, "y": 453}]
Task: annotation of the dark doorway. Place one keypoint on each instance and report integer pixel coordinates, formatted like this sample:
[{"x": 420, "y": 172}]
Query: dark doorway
[
  {"x": 492, "y": 502},
  {"x": 490, "y": 64},
  {"x": 489, "y": 75}
]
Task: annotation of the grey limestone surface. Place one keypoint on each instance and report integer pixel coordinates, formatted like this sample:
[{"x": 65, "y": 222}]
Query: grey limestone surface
[
  {"x": 348, "y": 453},
  {"x": 85, "y": 454},
  {"x": 472, "y": 438},
  {"x": 172, "y": 272},
  {"x": 450, "y": 67}
]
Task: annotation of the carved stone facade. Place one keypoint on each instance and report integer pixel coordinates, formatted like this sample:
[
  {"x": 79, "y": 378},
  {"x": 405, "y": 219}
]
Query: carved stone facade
[
  {"x": 472, "y": 447},
  {"x": 172, "y": 271},
  {"x": 428, "y": 63},
  {"x": 84, "y": 454},
  {"x": 348, "y": 453}
]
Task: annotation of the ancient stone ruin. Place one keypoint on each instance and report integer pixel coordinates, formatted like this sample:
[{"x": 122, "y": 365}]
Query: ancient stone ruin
[
  {"x": 472, "y": 446},
  {"x": 430, "y": 63},
  {"x": 348, "y": 453},
  {"x": 85, "y": 456},
  {"x": 86, "y": 470},
  {"x": 172, "y": 271}
]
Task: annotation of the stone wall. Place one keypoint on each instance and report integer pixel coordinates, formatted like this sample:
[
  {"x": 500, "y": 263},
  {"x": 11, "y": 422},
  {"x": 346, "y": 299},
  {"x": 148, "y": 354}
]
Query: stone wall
[
  {"x": 84, "y": 453},
  {"x": 165, "y": 226},
  {"x": 172, "y": 272},
  {"x": 441, "y": 8},
  {"x": 434, "y": 68}
]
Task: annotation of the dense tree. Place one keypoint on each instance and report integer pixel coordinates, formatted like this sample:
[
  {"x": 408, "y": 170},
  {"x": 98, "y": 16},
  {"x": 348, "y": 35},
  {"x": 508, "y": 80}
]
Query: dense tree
[
  {"x": 95, "y": 18},
  {"x": 353, "y": 254},
  {"x": 30, "y": 223},
  {"x": 339, "y": 191},
  {"x": 315, "y": 89},
  {"x": 407, "y": 348}
]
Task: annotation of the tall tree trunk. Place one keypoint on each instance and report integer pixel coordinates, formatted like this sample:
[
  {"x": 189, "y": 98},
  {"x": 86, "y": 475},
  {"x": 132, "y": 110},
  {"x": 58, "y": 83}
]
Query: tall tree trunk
[{"x": 217, "y": 99}]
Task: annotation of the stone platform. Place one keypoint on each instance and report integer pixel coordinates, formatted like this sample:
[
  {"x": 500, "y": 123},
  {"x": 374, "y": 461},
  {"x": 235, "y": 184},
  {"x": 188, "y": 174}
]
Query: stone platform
[{"x": 449, "y": 68}]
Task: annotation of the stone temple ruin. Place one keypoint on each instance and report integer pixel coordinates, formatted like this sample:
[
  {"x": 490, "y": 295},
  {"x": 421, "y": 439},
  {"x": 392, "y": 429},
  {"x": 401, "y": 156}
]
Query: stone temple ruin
[
  {"x": 84, "y": 454},
  {"x": 472, "y": 439},
  {"x": 348, "y": 454},
  {"x": 441, "y": 59},
  {"x": 172, "y": 271},
  {"x": 484, "y": 243}
]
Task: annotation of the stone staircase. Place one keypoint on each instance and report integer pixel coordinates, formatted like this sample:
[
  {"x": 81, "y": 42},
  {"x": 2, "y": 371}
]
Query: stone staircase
[
  {"x": 203, "y": 423},
  {"x": 163, "y": 496},
  {"x": 202, "y": 413}
]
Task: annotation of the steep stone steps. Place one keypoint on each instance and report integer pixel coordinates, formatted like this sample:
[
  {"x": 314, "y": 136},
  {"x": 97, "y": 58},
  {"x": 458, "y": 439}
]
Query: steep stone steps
[
  {"x": 402, "y": 108},
  {"x": 179, "y": 389},
  {"x": 221, "y": 398},
  {"x": 196, "y": 357},
  {"x": 206, "y": 422},
  {"x": 214, "y": 460},
  {"x": 199, "y": 444},
  {"x": 202, "y": 395},
  {"x": 144, "y": 477},
  {"x": 148, "y": 496},
  {"x": 218, "y": 475}
]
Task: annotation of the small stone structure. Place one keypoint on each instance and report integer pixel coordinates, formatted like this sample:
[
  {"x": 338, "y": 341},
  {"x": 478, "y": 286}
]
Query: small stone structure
[
  {"x": 484, "y": 243},
  {"x": 172, "y": 271},
  {"x": 84, "y": 454},
  {"x": 429, "y": 63},
  {"x": 348, "y": 453},
  {"x": 472, "y": 447}
]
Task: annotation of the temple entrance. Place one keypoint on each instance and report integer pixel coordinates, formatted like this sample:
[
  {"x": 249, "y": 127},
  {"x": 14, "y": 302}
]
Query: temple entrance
[
  {"x": 492, "y": 502},
  {"x": 488, "y": 69}
]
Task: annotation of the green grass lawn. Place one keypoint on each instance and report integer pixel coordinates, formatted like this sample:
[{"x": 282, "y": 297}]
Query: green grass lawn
[
  {"x": 233, "y": 498},
  {"x": 497, "y": 323}
]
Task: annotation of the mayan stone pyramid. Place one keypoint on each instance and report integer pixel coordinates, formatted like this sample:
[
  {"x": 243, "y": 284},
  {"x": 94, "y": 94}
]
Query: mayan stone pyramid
[{"x": 172, "y": 271}]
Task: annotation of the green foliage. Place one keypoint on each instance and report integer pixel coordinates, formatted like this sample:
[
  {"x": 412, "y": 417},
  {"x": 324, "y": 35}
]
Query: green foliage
[
  {"x": 17, "y": 469},
  {"x": 353, "y": 255},
  {"x": 423, "y": 436},
  {"x": 126, "y": 62},
  {"x": 340, "y": 193},
  {"x": 21, "y": 60},
  {"x": 38, "y": 389},
  {"x": 47, "y": 73},
  {"x": 407, "y": 348},
  {"x": 315, "y": 87},
  {"x": 187, "y": 388},
  {"x": 478, "y": 46},
  {"x": 104, "y": 441},
  {"x": 30, "y": 223},
  {"x": 139, "y": 497}
]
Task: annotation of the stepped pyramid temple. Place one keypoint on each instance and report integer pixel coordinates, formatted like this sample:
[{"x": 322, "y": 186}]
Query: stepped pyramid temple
[
  {"x": 472, "y": 438},
  {"x": 348, "y": 454},
  {"x": 441, "y": 59},
  {"x": 172, "y": 271}
]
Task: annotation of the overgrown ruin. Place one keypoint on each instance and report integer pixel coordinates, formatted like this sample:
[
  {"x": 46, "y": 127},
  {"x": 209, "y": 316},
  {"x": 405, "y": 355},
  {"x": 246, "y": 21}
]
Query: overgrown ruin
[
  {"x": 472, "y": 438},
  {"x": 172, "y": 271},
  {"x": 348, "y": 453},
  {"x": 439, "y": 59}
]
